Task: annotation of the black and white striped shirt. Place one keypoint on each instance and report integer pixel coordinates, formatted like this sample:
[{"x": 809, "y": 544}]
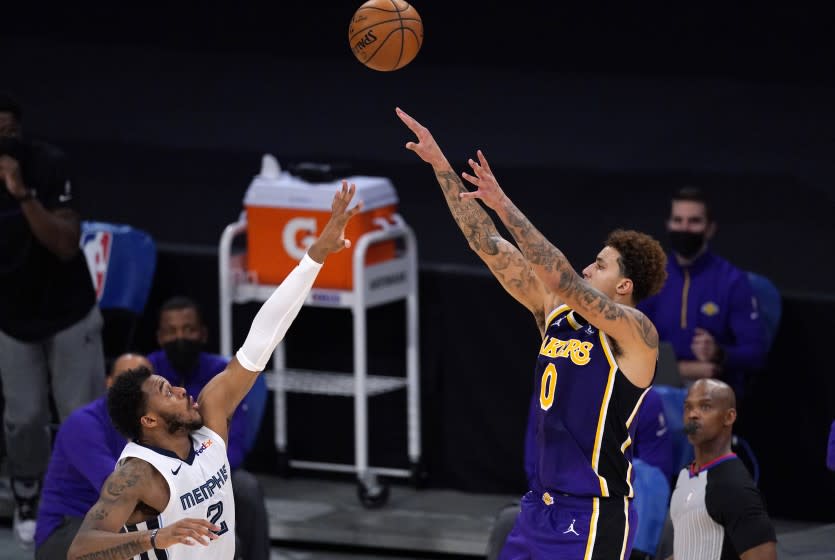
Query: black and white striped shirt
[{"x": 718, "y": 512}]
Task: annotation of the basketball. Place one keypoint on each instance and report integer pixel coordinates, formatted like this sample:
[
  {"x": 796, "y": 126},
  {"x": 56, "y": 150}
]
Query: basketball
[{"x": 385, "y": 35}]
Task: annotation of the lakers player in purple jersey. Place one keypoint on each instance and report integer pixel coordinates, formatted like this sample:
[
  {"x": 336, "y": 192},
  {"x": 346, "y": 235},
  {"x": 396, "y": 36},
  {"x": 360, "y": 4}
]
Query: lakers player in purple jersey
[{"x": 595, "y": 364}]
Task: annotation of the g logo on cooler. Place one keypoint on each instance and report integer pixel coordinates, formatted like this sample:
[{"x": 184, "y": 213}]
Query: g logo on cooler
[{"x": 294, "y": 245}]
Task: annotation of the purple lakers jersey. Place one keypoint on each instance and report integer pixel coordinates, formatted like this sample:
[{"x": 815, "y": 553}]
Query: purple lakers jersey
[{"x": 585, "y": 412}]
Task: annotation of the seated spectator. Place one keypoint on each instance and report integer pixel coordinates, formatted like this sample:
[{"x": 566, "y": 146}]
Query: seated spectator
[
  {"x": 653, "y": 444},
  {"x": 706, "y": 309},
  {"x": 181, "y": 335},
  {"x": 716, "y": 509},
  {"x": 83, "y": 456}
]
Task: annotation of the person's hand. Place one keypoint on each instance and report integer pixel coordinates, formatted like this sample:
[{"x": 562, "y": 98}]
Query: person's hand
[
  {"x": 10, "y": 173},
  {"x": 189, "y": 531},
  {"x": 332, "y": 238},
  {"x": 487, "y": 188},
  {"x": 704, "y": 346},
  {"x": 426, "y": 148},
  {"x": 693, "y": 370}
]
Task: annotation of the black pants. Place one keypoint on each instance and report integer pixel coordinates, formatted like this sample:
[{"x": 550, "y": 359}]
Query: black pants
[
  {"x": 58, "y": 544},
  {"x": 252, "y": 525}
]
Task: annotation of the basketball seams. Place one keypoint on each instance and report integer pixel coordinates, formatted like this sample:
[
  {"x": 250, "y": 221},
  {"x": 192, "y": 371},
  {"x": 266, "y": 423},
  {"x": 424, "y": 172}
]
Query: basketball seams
[
  {"x": 376, "y": 23},
  {"x": 380, "y": 9},
  {"x": 393, "y": 3},
  {"x": 382, "y": 44},
  {"x": 400, "y": 54}
]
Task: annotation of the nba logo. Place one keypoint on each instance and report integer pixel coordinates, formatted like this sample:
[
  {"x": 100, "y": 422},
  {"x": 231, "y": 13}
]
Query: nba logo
[{"x": 96, "y": 246}]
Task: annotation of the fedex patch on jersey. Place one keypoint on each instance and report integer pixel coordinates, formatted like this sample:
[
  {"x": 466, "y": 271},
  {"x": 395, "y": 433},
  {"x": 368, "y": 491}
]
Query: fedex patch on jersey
[{"x": 204, "y": 447}]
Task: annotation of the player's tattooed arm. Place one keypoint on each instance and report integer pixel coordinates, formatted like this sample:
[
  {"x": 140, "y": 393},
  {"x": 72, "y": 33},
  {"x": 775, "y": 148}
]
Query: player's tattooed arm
[
  {"x": 623, "y": 323},
  {"x": 99, "y": 535},
  {"x": 478, "y": 228},
  {"x": 501, "y": 256}
]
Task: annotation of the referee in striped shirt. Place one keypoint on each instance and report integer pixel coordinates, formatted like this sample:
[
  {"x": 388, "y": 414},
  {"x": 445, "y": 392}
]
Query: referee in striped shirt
[{"x": 717, "y": 510}]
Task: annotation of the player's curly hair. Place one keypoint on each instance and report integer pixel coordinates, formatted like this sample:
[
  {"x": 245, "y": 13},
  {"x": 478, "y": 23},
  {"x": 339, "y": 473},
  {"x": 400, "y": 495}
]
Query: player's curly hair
[
  {"x": 642, "y": 260},
  {"x": 126, "y": 401}
]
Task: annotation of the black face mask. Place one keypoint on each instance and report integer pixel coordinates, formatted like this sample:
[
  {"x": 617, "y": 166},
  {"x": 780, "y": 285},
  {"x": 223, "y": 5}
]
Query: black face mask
[
  {"x": 686, "y": 243},
  {"x": 183, "y": 354}
]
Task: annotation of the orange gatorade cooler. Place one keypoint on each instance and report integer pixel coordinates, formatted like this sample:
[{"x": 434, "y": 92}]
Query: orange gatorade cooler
[{"x": 285, "y": 214}]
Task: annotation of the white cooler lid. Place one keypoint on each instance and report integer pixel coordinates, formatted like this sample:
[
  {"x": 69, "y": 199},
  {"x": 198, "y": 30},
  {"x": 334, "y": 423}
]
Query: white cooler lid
[{"x": 289, "y": 191}]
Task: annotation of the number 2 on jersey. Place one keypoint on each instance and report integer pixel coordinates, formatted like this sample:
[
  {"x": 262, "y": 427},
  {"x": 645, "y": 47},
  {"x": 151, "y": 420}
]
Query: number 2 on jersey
[
  {"x": 217, "y": 509},
  {"x": 548, "y": 387}
]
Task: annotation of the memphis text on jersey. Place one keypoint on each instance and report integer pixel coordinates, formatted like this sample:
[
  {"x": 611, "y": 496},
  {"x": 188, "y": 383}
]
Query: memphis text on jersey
[{"x": 205, "y": 490}]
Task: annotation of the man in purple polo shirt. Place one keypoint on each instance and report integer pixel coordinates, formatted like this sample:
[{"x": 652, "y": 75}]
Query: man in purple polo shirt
[
  {"x": 84, "y": 454},
  {"x": 706, "y": 309},
  {"x": 182, "y": 334}
]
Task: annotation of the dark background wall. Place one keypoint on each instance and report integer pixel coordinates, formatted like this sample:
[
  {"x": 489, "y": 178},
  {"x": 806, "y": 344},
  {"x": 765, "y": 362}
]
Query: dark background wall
[
  {"x": 162, "y": 106},
  {"x": 590, "y": 113}
]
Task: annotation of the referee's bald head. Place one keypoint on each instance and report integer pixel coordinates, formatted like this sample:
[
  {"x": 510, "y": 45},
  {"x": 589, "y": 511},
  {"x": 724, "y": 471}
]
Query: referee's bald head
[{"x": 719, "y": 391}]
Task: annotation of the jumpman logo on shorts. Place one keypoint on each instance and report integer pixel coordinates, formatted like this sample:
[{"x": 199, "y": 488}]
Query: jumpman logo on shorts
[{"x": 571, "y": 529}]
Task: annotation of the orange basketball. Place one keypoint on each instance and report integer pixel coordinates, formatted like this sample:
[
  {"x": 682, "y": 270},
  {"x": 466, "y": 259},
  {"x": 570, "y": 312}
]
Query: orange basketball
[{"x": 385, "y": 34}]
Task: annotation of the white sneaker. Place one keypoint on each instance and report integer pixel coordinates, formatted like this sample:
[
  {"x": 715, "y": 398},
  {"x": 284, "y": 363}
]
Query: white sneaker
[{"x": 24, "y": 531}]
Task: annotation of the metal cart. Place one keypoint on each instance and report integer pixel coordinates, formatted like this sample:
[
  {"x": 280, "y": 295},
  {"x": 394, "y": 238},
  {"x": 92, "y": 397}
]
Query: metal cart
[{"x": 373, "y": 285}]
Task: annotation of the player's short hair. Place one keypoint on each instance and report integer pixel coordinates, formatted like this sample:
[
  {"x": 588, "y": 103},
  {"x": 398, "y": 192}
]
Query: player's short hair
[
  {"x": 177, "y": 303},
  {"x": 642, "y": 260},
  {"x": 9, "y": 104},
  {"x": 694, "y": 194},
  {"x": 127, "y": 402}
]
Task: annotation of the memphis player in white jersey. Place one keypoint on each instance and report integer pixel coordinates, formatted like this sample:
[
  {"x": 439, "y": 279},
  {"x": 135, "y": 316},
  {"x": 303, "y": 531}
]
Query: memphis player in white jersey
[{"x": 170, "y": 496}]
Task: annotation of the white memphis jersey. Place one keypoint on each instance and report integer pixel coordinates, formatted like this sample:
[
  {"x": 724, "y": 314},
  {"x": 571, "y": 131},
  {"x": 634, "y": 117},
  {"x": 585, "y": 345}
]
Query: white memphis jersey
[{"x": 200, "y": 487}]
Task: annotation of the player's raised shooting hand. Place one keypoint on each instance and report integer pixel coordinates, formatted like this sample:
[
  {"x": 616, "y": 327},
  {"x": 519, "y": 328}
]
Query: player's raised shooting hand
[
  {"x": 426, "y": 148},
  {"x": 332, "y": 238},
  {"x": 487, "y": 187}
]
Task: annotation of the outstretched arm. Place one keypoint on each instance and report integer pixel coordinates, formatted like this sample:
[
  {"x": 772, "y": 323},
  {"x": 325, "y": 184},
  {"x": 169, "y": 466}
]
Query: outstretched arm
[
  {"x": 632, "y": 329},
  {"x": 134, "y": 482},
  {"x": 502, "y": 257},
  {"x": 221, "y": 396}
]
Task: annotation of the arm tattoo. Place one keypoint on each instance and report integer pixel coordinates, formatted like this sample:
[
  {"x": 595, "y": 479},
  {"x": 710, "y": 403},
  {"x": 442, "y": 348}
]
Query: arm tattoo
[
  {"x": 505, "y": 261},
  {"x": 646, "y": 329},
  {"x": 510, "y": 268},
  {"x": 588, "y": 297},
  {"x": 560, "y": 277},
  {"x": 126, "y": 477},
  {"x": 537, "y": 250},
  {"x": 471, "y": 218},
  {"x": 119, "y": 552}
]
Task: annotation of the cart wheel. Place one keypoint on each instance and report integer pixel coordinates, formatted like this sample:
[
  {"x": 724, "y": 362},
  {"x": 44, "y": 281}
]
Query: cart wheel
[
  {"x": 282, "y": 464},
  {"x": 372, "y": 495},
  {"x": 418, "y": 475}
]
